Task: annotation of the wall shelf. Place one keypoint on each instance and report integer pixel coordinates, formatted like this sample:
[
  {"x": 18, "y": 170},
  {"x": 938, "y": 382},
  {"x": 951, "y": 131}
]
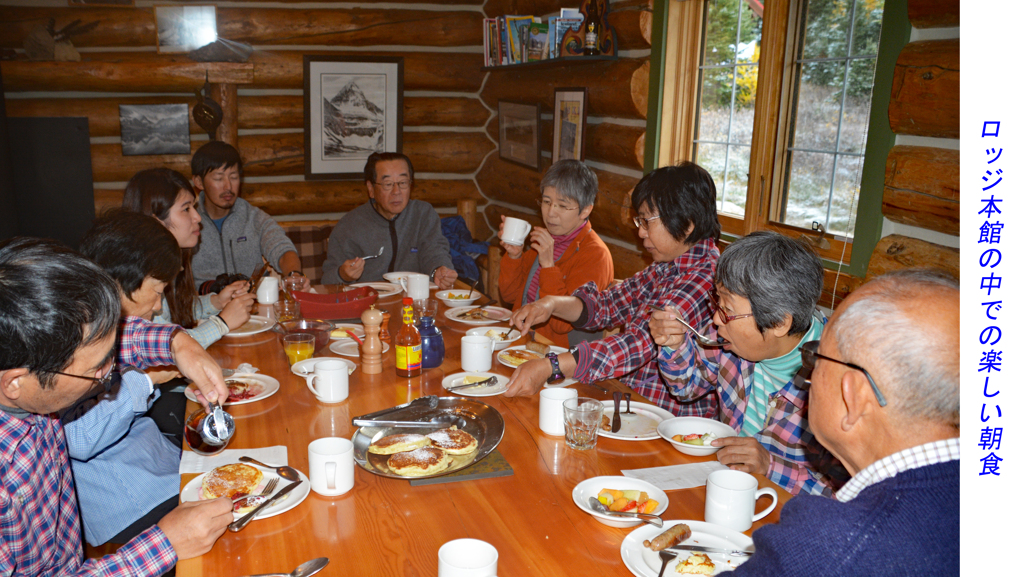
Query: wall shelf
[{"x": 551, "y": 62}]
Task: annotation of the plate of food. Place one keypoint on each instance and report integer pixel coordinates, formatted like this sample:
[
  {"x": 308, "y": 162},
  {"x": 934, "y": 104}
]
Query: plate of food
[
  {"x": 305, "y": 368},
  {"x": 341, "y": 331},
  {"x": 693, "y": 435},
  {"x": 239, "y": 479},
  {"x": 350, "y": 348},
  {"x": 643, "y": 560},
  {"x": 458, "y": 298},
  {"x": 622, "y": 494},
  {"x": 478, "y": 315},
  {"x": 512, "y": 357},
  {"x": 392, "y": 277},
  {"x": 641, "y": 426},
  {"x": 255, "y": 325},
  {"x": 384, "y": 289},
  {"x": 243, "y": 389},
  {"x": 496, "y": 334},
  {"x": 459, "y": 379}
]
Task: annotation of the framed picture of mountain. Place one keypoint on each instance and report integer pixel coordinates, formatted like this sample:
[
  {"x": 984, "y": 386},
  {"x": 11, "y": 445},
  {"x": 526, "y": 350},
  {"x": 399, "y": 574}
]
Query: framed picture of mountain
[
  {"x": 154, "y": 129},
  {"x": 353, "y": 108}
]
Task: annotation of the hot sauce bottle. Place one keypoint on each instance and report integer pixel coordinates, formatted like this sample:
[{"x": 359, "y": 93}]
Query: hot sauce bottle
[{"x": 408, "y": 351}]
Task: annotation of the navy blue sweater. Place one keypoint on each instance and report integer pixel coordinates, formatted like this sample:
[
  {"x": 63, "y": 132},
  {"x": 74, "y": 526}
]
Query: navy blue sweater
[{"x": 906, "y": 525}]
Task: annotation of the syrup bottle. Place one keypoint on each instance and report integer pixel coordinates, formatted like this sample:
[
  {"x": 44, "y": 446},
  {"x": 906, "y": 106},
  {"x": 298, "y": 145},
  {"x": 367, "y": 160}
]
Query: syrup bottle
[{"x": 408, "y": 351}]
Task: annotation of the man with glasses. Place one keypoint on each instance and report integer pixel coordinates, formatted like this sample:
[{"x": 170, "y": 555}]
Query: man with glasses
[
  {"x": 767, "y": 288},
  {"x": 884, "y": 399},
  {"x": 409, "y": 231},
  {"x": 59, "y": 318}
]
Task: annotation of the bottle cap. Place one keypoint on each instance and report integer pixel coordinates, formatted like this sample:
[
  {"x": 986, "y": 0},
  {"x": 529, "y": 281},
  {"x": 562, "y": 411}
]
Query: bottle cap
[{"x": 406, "y": 301}]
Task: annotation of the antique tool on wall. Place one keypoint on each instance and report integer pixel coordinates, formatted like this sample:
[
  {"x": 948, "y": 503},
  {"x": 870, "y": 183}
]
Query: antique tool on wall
[{"x": 206, "y": 111}]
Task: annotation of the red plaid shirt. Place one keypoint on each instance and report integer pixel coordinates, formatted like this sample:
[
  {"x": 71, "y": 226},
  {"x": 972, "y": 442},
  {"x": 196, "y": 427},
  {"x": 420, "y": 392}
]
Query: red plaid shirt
[{"x": 631, "y": 355}]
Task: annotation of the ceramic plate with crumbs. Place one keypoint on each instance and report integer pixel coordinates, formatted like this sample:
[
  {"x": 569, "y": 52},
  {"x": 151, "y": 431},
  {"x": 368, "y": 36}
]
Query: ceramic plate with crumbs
[
  {"x": 643, "y": 426},
  {"x": 643, "y": 562},
  {"x": 243, "y": 389},
  {"x": 478, "y": 315},
  {"x": 194, "y": 489},
  {"x": 255, "y": 325}
]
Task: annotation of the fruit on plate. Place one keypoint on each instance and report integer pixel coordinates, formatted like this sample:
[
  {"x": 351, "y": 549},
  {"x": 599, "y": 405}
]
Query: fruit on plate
[{"x": 629, "y": 501}]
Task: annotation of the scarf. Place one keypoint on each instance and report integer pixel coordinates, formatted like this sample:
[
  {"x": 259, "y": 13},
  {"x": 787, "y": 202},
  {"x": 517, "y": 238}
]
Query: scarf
[{"x": 562, "y": 242}]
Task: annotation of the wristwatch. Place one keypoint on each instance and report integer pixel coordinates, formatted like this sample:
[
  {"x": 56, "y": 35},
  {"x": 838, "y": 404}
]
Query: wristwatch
[{"x": 556, "y": 373}]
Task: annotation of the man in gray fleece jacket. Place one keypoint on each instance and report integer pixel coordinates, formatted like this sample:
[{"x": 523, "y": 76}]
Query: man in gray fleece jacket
[{"x": 408, "y": 230}]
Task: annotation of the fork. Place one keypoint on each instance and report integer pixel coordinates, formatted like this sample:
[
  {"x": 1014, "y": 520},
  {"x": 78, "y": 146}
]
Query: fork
[
  {"x": 270, "y": 486},
  {"x": 379, "y": 252},
  {"x": 704, "y": 340}
]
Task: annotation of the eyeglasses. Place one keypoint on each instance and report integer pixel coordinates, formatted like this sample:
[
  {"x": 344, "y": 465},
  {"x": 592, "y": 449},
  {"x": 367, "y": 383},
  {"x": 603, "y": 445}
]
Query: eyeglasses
[
  {"x": 644, "y": 223},
  {"x": 546, "y": 203},
  {"x": 726, "y": 319},
  {"x": 389, "y": 186},
  {"x": 809, "y": 355},
  {"x": 103, "y": 381}
]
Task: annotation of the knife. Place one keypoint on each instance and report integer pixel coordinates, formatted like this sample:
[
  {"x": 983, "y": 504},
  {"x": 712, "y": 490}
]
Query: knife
[
  {"x": 240, "y": 524},
  {"x": 616, "y": 420},
  {"x": 487, "y": 383},
  {"x": 700, "y": 549}
]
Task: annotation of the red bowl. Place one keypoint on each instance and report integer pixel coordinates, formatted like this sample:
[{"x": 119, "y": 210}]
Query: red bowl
[{"x": 347, "y": 304}]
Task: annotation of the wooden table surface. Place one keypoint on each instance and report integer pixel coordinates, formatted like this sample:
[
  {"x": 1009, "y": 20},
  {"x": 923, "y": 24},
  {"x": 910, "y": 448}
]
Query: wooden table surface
[{"x": 387, "y": 527}]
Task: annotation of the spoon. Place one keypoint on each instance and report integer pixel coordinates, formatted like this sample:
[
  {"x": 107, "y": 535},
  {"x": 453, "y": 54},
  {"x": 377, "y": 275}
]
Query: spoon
[
  {"x": 665, "y": 558},
  {"x": 305, "y": 570},
  {"x": 285, "y": 472},
  {"x": 702, "y": 339},
  {"x": 379, "y": 252},
  {"x": 645, "y": 517}
]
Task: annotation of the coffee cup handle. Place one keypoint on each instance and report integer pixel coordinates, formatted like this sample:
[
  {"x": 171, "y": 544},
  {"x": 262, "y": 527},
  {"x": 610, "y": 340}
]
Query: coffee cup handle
[
  {"x": 529, "y": 227},
  {"x": 331, "y": 470},
  {"x": 309, "y": 383},
  {"x": 775, "y": 499}
]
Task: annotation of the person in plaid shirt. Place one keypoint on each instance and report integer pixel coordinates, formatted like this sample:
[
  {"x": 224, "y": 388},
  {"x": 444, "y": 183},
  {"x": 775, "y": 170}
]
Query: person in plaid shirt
[
  {"x": 58, "y": 325},
  {"x": 768, "y": 287},
  {"x": 678, "y": 225}
]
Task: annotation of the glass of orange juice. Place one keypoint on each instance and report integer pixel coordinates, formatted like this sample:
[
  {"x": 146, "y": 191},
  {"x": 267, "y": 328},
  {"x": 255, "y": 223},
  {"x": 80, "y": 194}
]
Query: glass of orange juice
[{"x": 298, "y": 346}]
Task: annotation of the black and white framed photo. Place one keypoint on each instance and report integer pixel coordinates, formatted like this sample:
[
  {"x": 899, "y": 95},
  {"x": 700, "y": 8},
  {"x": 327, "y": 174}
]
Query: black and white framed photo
[
  {"x": 154, "y": 129},
  {"x": 353, "y": 108},
  {"x": 184, "y": 28},
  {"x": 519, "y": 133},
  {"x": 569, "y": 123}
]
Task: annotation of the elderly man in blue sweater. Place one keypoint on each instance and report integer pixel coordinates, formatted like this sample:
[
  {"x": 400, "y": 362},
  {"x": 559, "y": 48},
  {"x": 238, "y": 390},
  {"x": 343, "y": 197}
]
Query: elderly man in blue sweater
[{"x": 885, "y": 400}]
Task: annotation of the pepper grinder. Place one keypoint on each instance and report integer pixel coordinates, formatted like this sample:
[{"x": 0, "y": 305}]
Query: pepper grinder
[{"x": 371, "y": 354}]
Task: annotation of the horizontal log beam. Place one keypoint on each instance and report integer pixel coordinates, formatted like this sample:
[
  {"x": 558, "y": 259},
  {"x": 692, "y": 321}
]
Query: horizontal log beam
[
  {"x": 925, "y": 98},
  {"x": 615, "y": 144},
  {"x": 617, "y": 88},
  {"x": 922, "y": 188},
  {"x": 632, "y": 21},
  {"x": 933, "y": 13},
  {"x": 896, "y": 252}
]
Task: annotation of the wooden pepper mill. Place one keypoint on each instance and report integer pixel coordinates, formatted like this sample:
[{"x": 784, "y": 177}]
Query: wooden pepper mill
[{"x": 371, "y": 353}]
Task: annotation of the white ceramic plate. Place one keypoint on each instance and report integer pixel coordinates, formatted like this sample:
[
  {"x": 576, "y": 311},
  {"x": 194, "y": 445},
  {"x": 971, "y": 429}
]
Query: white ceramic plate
[
  {"x": 643, "y": 562},
  {"x": 456, "y": 380},
  {"x": 357, "y": 329},
  {"x": 498, "y": 345},
  {"x": 447, "y": 295},
  {"x": 557, "y": 350},
  {"x": 350, "y": 348},
  {"x": 392, "y": 277},
  {"x": 193, "y": 492},
  {"x": 270, "y": 386},
  {"x": 691, "y": 425},
  {"x": 592, "y": 486},
  {"x": 384, "y": 289},
  {"x": 495, "y": 314},
  {"x": 305, "y": 368},
  {"x": 642, "y": 427},
  {"x": 256, "y": 324}
]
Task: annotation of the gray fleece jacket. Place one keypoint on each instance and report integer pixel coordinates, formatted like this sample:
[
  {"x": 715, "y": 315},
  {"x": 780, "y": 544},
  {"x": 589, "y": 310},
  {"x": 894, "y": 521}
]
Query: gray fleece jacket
[
  {"x": 412, "y": 242},
  {"x": 248, "y": 235}
]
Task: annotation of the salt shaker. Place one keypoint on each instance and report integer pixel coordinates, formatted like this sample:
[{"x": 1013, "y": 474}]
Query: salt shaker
[{"x": 372, "y": 347}]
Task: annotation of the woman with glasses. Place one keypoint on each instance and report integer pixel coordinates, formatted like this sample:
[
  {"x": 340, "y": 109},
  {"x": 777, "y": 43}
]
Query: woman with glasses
[
  {"x": 767, "y": 288},
  {"x": 561, "y": 257}
]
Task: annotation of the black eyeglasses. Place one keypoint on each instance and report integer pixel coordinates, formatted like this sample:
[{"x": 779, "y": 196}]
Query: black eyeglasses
[
  {"x": 809, "y": 355},
  {"x": 103, "y": 381}
]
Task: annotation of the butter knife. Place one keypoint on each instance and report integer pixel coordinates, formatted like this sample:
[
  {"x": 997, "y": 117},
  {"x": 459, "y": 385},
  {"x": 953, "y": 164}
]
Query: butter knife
[
  {"x": 701, "y": 549},
  {"x": 616, "y": 420},
  {"x": 487, "y": 383},
  {"x": 240, "y": 524}
]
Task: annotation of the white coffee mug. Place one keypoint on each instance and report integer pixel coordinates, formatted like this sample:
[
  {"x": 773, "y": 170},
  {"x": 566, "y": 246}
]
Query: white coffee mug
[
  {"x": 467, "y": 558},
  {"x": 266, "y": 291},
  {"x": 730, "y": 500},
  {"x": 329, "y": 381},
  {"x": 552, "y": 419},
  {"x": 476, "y": 353},
  {"x": 416, "y": 285},
  {"x": 514, "y": 230},
  {"x": 331, "y": 466}
]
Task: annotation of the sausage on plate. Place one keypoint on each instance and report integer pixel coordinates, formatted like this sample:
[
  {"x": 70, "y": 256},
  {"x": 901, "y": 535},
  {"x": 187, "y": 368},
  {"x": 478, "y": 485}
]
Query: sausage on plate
[{"x": 673, "y": 536}]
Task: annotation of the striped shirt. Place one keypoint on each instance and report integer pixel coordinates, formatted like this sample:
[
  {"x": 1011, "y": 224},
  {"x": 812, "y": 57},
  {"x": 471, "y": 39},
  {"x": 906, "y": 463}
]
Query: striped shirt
[{"x": 913, "y": 458}]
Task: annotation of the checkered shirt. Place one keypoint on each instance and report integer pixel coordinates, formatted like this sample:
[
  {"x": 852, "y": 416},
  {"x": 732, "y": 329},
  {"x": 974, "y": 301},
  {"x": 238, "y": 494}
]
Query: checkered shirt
[
  {"x": 631, "y": 355},
  {"x": 145, "y": 344},
  {"x": 798, "y": 462},
  {"x": 913, "y": 458}
]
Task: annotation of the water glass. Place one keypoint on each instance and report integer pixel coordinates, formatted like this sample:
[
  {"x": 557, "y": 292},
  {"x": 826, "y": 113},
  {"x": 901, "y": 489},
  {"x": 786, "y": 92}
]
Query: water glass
[
  {"x": 582, "y": 417},
  {"x": 293, "y": 282},
  {"x": 287, "y": 310},
  {"x": 298, "y": 346}
]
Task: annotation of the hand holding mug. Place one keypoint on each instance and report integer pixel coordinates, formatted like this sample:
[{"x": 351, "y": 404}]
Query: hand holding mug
[{"x": 514, "y": 250}]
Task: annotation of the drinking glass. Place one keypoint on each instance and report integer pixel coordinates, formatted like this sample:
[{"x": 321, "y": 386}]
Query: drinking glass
[
  {"x": 298, "y": 346},
  {"x": 293, "y": 282},
  {"x": 582, "y": 417},
  {"x": 287, "y": 310}
]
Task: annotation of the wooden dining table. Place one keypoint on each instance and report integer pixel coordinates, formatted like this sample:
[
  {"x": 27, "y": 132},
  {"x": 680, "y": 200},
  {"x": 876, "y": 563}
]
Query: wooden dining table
[{"x": 387, "y": 527}]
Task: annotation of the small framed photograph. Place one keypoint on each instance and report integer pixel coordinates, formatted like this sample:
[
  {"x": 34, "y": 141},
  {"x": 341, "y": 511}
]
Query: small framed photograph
[
  {"x": 184, "y": 28},
  {"x": 353, "y": 108},
  {"x": 519, "y": 133},
  {"x": 154, "y": 129},
  {"x": 570, "y": 123}
]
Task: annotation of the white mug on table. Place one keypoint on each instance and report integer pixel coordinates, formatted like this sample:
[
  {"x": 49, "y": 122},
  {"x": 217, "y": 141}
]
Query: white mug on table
[
  {"x": 476, "y": 353},
  {"x": 731, "y": 496},
  {"x": 266, "y": 291},
  {"x": 552, "y": 418},
  {"x": 331, "y": 466},
  {"x": 514, "y": 230},
  {"x": 416, "y": 285},
  {"x": 329, "y": 381},
  {"x": 467, "y": 558}
]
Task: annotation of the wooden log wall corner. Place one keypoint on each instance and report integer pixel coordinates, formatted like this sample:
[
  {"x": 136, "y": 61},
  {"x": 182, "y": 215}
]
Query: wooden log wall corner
[
  {"x": 922, "y": 188},
  {"x": 896, "y": 252},
  {"x": 925, "y": 98}
]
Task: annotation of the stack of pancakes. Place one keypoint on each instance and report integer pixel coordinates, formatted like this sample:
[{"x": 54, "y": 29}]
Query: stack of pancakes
[
  {"x": 232, "y": 481},
  {"x": 421, "y": 455}
]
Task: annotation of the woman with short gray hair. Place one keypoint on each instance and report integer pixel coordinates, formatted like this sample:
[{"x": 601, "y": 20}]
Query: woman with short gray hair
[
  {"x": 563, "y": 255},
  {"x": 767, "y": 287}
]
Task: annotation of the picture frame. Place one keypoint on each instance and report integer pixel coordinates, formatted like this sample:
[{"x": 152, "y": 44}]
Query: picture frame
[
  {"x": 148, "y": 129},
  {"x": 184, "y": 28},
  {"x": 352, "y": 108},
  {"x": 569, "y": 124},
  {"x": 519, "y": 133}
]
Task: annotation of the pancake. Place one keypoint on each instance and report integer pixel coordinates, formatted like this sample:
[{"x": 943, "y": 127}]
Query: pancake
[
  {"x": 518, "y": 356},
  {"x": 241, "y": 390},
  {"x": 453, "y": 441},
  {"x": 421, "y": 462},
  {"x": 231, "y": 481},
  {"x": 398, "y": 443}
]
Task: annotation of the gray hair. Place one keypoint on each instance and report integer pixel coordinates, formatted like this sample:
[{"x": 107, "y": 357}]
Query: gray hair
[
  {"x": 778, "y": 275},
  {"x": 572, "y": 179},
  {"x": 917, "y": 370}
]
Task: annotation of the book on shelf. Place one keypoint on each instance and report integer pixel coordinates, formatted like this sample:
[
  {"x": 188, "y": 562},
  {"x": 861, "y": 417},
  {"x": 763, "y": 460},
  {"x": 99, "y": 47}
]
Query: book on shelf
[
  {"x": 557, "y": 27},
  {"x": 537, "y": 43},
  {"x": 517, "y": 29}
]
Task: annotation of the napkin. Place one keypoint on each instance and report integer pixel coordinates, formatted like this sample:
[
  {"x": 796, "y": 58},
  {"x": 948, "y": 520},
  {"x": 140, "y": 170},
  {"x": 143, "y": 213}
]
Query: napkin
[
  {"x": 195, "y": 463},
  {"x": 677, "y": 476}
]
